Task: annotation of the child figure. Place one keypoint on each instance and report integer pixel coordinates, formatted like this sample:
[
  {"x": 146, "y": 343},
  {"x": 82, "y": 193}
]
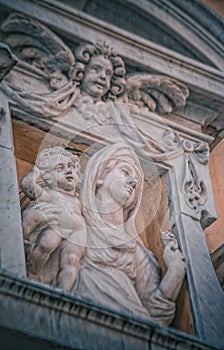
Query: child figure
[{"x": 52, "y": 222}]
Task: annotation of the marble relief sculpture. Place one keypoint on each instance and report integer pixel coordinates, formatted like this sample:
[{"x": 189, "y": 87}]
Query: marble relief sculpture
[
  {"x": 89, "y": 90},
  {"x": 89, "y": 245},
  {"x": 117, "y": 270},
  {"x": 96, "y": 252},
  {"x": 93, "y": 73},
  {"x": 53, "y": 227},
  {"x": 100, "y": 74},
  {"x": 93, "y": 250}
]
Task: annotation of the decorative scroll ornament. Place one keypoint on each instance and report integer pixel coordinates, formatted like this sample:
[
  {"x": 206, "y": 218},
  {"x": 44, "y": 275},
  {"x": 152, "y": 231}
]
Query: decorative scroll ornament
[
  {"x": 94, "y": 73},
  {"x": 194, "y": 188},
  {"x": 199, "y": 150}
]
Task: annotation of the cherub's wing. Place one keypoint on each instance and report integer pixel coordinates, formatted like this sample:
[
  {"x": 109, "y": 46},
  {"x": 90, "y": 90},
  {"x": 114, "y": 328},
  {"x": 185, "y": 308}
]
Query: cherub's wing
[
  {"x": 38, "y": 49},
  {"x": 48, "y": 90},
  {"x": 154, "y": 92}
]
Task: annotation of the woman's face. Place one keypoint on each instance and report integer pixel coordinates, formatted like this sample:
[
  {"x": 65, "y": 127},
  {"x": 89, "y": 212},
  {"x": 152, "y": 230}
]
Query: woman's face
[
  {"x": 120, "y": 184},
  {"x": 97, "y": 77}
]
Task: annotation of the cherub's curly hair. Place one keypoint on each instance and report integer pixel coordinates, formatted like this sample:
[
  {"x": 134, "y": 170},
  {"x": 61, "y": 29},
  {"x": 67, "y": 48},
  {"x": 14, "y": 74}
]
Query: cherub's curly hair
[
  {"x": 44, "y": 158},
  {"x": 83, "y": 54},
  {"x": 47, "y": 158}
]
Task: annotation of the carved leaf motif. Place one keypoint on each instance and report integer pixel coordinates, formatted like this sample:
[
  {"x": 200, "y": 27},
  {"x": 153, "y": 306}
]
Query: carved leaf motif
[{"x": 155, "y": 92}]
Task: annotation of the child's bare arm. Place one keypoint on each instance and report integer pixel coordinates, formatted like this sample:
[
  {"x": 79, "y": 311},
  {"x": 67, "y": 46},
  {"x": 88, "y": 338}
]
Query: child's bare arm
[{"x": 30, "y": 186}]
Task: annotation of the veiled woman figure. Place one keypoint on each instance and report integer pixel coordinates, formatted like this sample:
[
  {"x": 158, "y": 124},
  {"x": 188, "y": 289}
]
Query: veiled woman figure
[{"x": 118, "y": 271}]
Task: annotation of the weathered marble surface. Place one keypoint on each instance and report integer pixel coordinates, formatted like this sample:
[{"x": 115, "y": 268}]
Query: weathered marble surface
[
  {"x": 117, "y": 270},
  {"x": 54, "y": 230},
  {"x": 204, "y": 81},
  {"x": 11, "y": 245},
  {"x": 41, "y": 312},
  {"x": 94, "y": 73},
  {"x": 115, "y": 260},
  {"x": 7, "y": 60}
]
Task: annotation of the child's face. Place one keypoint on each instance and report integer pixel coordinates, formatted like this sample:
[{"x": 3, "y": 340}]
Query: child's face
[
  {"x": 65, "y": 175},
  {"x": 97, "y": 77}
]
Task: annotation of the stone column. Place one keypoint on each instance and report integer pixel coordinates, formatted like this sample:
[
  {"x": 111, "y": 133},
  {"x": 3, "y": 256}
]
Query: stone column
[
  {"x": 11, "y": 238},
  {"x": 195, "y": 211}
]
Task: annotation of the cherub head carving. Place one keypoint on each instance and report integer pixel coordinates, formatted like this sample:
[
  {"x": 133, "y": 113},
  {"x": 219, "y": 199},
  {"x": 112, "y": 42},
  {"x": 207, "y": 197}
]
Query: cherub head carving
[
  {"x": 99, "y": 71},
  {"x": 59, "y": 168},
  {"x": 95, "y": 70}
]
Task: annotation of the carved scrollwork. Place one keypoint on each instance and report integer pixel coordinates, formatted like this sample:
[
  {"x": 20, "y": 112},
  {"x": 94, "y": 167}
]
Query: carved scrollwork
[
  {"x": 194, "y": 188},
  {"x": 199, "y": 150},
  {"x": 95, "y": 71}
]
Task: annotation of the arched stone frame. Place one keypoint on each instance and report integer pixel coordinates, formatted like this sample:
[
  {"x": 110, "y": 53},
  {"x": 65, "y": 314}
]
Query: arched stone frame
[{"x": 187, "y": 218}]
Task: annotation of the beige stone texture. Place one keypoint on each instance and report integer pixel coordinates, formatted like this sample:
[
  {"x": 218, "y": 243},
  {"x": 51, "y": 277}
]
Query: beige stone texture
[
  {"x": 215, "y": 5},
  {"x": 215, "y": 233}
]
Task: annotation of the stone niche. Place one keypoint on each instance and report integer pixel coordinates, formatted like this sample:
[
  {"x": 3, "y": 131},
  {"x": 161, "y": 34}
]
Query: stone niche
[{"x": 118, "y": 99}]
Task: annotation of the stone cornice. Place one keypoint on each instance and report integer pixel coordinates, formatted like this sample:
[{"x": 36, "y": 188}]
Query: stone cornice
[
  {"x": 190, "y": 22},
  {"x": 27, "y": 297}
]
